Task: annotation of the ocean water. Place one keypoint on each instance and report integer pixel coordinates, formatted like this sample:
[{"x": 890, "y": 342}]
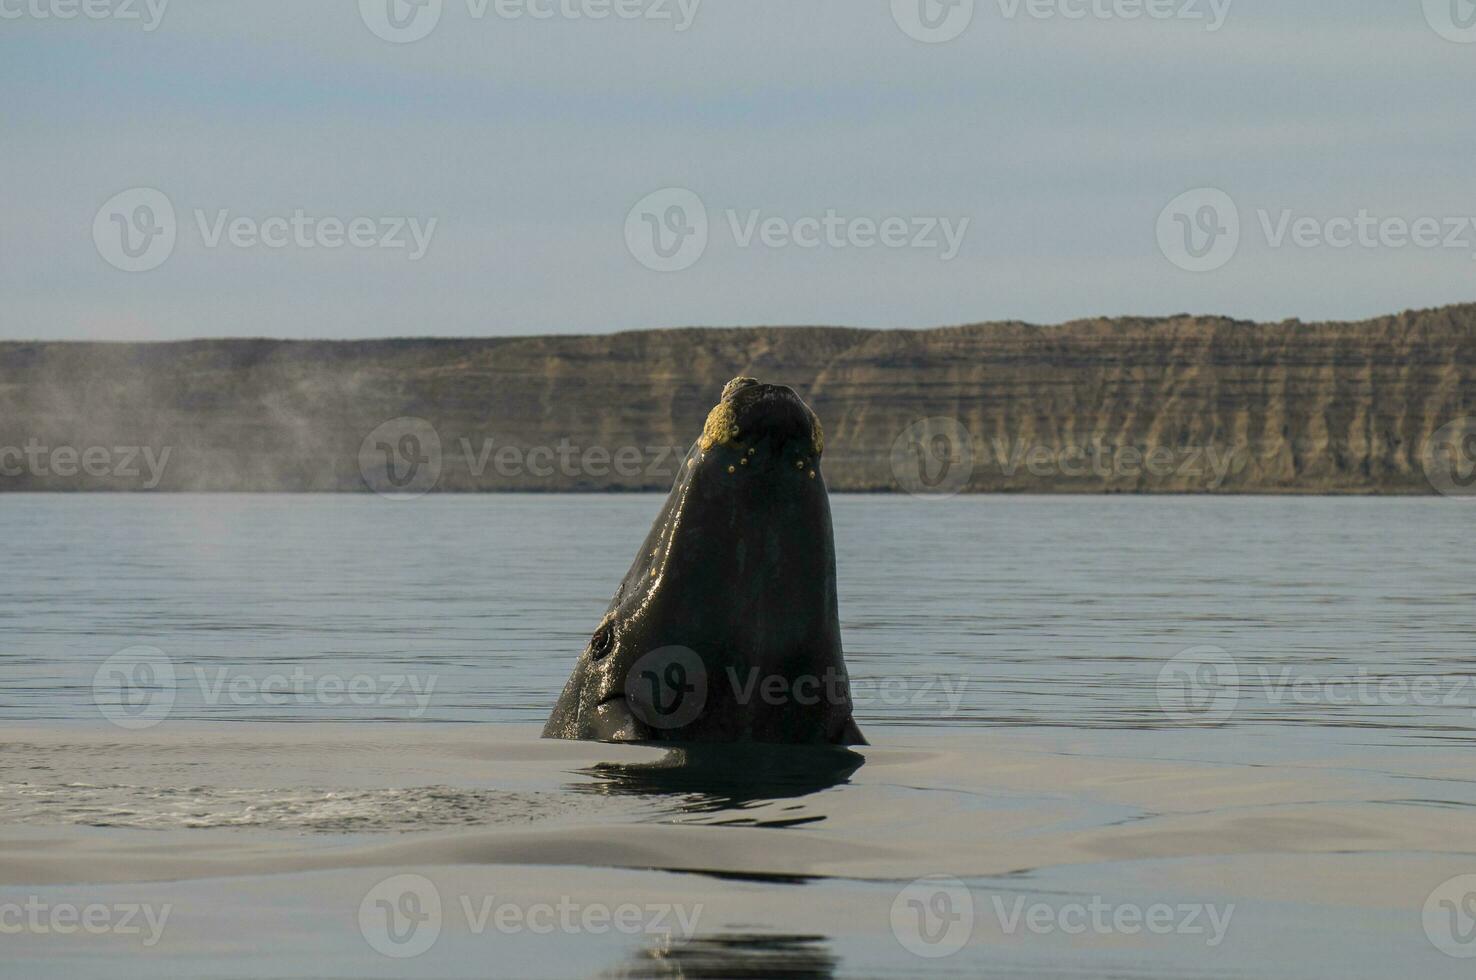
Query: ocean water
[
  {"x": 1191, "y": 703},
  {"x": 1349, "y": 621}
]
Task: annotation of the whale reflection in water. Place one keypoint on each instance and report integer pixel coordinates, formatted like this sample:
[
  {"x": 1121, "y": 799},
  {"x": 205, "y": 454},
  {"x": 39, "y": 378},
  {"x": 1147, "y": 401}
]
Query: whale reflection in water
[
  {"x": 733, "y": 955},
  {"x": 707, "y": 778}
]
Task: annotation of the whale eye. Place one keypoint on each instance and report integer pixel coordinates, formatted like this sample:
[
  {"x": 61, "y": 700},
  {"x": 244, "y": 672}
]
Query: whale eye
[{"x": 601, "y": 643}]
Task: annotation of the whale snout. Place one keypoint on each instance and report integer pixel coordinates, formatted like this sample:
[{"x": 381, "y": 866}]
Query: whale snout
[
  {"x": 775, "y": 413},
  {"x": 767, "y": 420}
]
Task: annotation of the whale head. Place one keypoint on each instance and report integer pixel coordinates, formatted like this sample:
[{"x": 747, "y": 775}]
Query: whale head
[{"x": 725, "y": 628}]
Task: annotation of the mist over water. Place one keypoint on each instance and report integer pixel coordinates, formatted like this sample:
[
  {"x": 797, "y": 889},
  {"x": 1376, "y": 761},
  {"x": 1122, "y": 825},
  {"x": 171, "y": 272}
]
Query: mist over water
[{"x": 1347, "y": 620}]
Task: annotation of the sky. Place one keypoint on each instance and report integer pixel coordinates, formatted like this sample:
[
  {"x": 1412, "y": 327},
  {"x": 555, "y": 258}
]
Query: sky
[{"x": 367, "y": 168}]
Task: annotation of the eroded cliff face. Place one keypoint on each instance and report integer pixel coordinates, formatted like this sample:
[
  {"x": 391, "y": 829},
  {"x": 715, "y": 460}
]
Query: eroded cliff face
[{"x": 1182, "y": 404}]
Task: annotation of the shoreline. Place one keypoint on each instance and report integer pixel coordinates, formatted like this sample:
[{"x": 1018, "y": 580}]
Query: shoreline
[{"x": 1178, "y": 404}]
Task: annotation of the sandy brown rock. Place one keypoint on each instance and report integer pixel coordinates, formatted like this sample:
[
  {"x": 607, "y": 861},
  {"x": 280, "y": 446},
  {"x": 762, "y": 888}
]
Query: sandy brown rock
[{"x": 1228, "y": 406}]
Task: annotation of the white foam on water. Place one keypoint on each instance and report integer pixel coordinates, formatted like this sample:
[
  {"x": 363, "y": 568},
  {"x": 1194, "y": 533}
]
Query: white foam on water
[{"x": 327, "y": 811}]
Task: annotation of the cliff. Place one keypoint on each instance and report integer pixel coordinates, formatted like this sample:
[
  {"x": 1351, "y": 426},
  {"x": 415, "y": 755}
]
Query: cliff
[{"x": 1179, "y": 404}]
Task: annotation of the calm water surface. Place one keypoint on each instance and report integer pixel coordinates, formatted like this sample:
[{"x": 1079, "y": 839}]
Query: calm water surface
[{"x": 1346, "y": 618}]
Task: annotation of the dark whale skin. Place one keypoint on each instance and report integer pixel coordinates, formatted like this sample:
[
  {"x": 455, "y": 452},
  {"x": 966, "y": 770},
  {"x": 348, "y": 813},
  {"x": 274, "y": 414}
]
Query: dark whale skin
[{"x": 737, "y": 575}]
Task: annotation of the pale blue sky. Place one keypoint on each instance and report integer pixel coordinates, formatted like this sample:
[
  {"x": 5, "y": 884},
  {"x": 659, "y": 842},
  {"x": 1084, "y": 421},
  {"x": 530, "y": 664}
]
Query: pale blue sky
[{"x": 528, "y": 142}]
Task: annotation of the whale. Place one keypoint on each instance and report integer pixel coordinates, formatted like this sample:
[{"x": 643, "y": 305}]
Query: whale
[{"x": 726, "y": 627}]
